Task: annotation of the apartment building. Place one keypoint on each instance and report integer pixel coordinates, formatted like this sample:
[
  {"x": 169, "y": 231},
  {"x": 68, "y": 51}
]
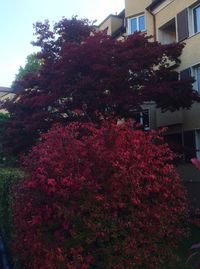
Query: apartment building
[
  {"x": 169, "y": 21},
  {"x": 5, "y": 93},
  {"x": 114, "y": 25}
]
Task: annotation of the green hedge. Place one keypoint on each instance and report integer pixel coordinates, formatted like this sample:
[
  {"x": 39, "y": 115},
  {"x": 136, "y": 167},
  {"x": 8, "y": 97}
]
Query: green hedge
[{"x": 8, "y": 177}]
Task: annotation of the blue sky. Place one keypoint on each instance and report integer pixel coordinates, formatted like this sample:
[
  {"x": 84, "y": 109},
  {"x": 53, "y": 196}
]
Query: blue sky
[{"x": 16, "y": 25}]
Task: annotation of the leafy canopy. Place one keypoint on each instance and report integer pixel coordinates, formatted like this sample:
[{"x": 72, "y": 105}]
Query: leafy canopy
[
  {"x": 33, "y": 65},
  {"x": 88, "y": 76}
]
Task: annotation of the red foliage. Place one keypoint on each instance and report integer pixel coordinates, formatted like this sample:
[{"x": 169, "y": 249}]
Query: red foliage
[
  {"x": 89, "y": 77},
  {"x": 104, "y": 197}
]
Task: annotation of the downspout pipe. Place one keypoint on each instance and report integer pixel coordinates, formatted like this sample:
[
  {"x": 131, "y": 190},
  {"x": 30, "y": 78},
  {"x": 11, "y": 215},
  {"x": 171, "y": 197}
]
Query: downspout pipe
[{"x": 154, "y": 24}]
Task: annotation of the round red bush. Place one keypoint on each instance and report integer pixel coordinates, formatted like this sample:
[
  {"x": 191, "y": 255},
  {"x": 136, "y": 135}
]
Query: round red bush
[{"x": 104, "y": 197}]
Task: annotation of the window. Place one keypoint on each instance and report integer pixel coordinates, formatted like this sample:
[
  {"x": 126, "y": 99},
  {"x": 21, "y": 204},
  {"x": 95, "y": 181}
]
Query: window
[
  {"x": 197, "y": 138},
  {"x": 142, "y": 118},
  {"x": 136, "y": 24},
  {"x": 186, "y": 74},
  {"x": 196, "y": 74},
  {"x": 186, "y": 145},
  {"x": 175, "y": 142},
  {"x": 194, "y": 19},
  {"x": 189, "y": 147},
  {"x": 196, "y": 14},
  {"x": 192, "y": 145},
  {"x": 192, "y": 72}
]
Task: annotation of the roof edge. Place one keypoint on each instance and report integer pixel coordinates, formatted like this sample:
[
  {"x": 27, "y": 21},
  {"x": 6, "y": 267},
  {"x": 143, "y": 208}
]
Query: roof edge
[
  {"x": 119, "y": 16},
  {"x": 6, "y": 89},
  {"x": 154, "y": 4}
]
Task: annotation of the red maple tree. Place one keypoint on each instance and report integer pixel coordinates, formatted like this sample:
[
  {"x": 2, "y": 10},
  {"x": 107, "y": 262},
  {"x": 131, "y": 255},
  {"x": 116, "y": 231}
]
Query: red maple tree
[{"x": 90, "y": 77}]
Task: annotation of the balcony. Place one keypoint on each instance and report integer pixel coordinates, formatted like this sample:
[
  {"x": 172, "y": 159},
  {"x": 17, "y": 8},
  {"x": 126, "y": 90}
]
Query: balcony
[{"x": 167, "y": 33}]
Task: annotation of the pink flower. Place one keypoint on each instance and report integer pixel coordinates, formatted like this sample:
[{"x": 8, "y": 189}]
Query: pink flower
[
  {"x": 51, "y": 182},
  {"x": 196, "y": 162}
]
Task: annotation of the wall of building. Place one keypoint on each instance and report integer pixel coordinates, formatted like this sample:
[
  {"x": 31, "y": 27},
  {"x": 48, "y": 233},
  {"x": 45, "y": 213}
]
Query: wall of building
[
  {"x": 116, "y": 23},
  {"x": 168, "y": 12},
  {"x": 189, "y": 58},
  {"x": 112, "y": 23},
  {"x": 171, "y": 10},
  {"x": 135, "y": 7},
  {"x": 132, "y": 8},
  {"x": 161, "y": 22},
  {"x": 191, "y": 53},
  {"x": 164, "y": 14},
  {"x": 106, "y": 24},
  {"x": 171, "y": 118},
  {"x": 5, "y": 96}
]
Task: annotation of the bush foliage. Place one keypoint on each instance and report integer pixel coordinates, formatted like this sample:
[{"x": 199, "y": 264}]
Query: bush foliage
[
  {"x": 8, "y": 178},
  {"x": 104, "y": 197}
]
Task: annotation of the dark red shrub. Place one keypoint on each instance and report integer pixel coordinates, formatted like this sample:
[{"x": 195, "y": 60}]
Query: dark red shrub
[{"x": 103, "y": 197}]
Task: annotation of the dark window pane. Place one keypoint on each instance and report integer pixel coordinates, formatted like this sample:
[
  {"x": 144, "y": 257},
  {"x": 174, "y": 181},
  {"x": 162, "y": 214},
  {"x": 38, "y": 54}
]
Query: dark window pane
[
  {"x": 198, "y": 79},
  {"x": 197, "y": 19},
  {"x": 175, "y": 142},
  {"x": 185, "y": 74},
  {"x": 189, "y": 145},
  {"x": 145, "y": 117},
  {"x": 183, "y": 144},
  {"x": 182, "y": 25},
  {"x": 142, "y": 118},
  {"x": 141, "y": 23},
  {"x": 137, "y": 117},
  {"x": 133, "y": 25}
]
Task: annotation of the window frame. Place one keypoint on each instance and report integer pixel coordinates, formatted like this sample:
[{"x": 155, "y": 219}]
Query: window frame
[
  {"x": 194, "y": 18},
  {"x": 197, "y": 142},
  {"x": 196, "y": 75},
  {"x": 137, "y": 23},
  {"x": 187, "y": 151},
  {"x": 191, "y": 19},
  {"x": 141, "y": 118}
]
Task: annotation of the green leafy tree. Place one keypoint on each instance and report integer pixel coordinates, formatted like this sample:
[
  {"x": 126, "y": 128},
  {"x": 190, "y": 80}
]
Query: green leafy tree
[
  {"x": 4, "y": 117},
  {"x": 33, "y": 65}
]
